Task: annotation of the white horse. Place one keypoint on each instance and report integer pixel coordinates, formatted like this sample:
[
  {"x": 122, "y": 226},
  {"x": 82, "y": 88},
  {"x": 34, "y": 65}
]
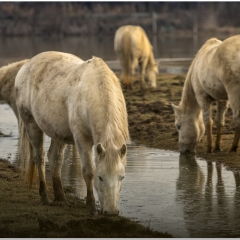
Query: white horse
[
  {"x": 7, "y": 80},
  {"x": 74, "y": 102},
  {"x": 134, "y": 48},
  {"x": 214, "y": 75}
]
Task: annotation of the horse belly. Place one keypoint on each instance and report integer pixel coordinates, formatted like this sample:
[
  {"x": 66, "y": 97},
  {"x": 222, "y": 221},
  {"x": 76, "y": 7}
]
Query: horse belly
[
  {"x": 217, "y": 92},
  {"x": 53, "y": 121},
  {"x": 214, "y": 87}
]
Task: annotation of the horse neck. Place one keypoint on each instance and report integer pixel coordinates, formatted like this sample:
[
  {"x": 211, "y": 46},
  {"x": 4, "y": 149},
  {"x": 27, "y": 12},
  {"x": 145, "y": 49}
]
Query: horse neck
[
  {"x": 189, "y": 102},
  {"x": 114, "y": 127},
  {"x": 115, "y": 133}
]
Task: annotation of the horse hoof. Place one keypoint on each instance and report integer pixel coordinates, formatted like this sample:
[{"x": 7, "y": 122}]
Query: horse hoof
[
  {"x": 61, "y": 202},
  {"x": 209, "y": 152},
  {"x": 217, "y": 150},
  {"x": 46, "y": 201},
  {"x": 94, "y": 212}
]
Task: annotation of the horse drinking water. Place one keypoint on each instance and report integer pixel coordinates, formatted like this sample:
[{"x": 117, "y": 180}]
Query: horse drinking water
[
  {"x": 74, "y": 102},
  {"x": 214, "y": 75},
  {"x": 134, "y": 48}
]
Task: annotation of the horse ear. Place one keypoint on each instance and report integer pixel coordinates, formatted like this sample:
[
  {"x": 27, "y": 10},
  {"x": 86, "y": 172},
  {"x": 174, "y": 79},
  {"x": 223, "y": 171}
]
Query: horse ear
[
  {"x": 100, "y": 149},
  {"x": 123, "y": 150},
  {"x": 176, "y": 109}
]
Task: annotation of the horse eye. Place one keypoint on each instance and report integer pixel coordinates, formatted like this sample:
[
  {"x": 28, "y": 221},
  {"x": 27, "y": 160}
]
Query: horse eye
[{"x": 100, "y": 178}]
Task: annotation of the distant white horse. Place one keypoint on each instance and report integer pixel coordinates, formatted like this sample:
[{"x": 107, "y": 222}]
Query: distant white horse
[
  {"x": 7, "y": 80},
  {"x": 214, "y": 75},
  {"x": 134, "y": 48},
  {"x": 74, "y": 102}
]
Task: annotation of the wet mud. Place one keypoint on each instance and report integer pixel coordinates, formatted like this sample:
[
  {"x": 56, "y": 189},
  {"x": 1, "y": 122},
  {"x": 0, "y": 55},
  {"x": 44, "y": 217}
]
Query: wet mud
[
  {"x": 22, "y": 215},
  {"x": 151, "y": 120}
]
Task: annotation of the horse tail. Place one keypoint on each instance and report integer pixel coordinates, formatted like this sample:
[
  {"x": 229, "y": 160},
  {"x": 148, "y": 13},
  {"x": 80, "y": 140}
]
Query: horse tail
[{"x": 27, "y": 165}]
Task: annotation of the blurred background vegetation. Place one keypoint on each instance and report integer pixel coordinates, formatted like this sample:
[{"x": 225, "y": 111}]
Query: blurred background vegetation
[{"x": 90, "y": 18}]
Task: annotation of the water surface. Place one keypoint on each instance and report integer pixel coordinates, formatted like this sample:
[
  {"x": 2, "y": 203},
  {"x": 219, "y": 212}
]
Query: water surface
[
  {"x": 164, "y": 46},
  {"x": 184, "y": 196}
]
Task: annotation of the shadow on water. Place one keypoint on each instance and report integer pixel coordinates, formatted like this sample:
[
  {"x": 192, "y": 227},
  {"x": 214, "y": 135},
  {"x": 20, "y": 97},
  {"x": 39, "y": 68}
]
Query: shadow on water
[{"x": 182, "y": 195}]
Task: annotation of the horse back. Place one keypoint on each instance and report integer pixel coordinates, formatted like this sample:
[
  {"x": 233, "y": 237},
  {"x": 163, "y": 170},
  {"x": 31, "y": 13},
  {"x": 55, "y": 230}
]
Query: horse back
[
  {"x": 66, "y": 96},
  {"x": 43, "y": 88}
]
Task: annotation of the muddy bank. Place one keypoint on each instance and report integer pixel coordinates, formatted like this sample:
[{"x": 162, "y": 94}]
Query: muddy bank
[
  {"x": 22, "y": 215},
  {"x": 151, "y": 120}
]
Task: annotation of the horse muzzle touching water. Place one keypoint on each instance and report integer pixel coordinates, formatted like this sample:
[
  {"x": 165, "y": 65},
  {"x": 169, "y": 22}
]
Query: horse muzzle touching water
[
  {"x": 88, "y": 97},
  {"x": 213, "y": 76},
  {"x": 108, "y": 179}
]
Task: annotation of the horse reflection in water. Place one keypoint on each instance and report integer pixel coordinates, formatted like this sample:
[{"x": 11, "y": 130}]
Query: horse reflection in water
[
  {"x": 206, "y": 205},
  {"x": 72, "y": 172},
  {"x": 73, "y": 102}
]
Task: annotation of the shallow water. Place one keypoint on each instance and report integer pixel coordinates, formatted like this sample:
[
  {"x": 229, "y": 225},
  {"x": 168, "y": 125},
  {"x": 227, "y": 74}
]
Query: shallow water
[
  {"x": 164, "y": 47},
  {"x": 185, "y": 197}
]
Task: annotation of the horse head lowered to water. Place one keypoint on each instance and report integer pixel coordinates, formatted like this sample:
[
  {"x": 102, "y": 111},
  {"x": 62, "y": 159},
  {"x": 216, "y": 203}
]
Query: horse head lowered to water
[
  {"x": 214, "y": 75},
  {"x": 134, "y": 48},
  {"x": 7, "y": 81},
  {"x": 74, "y": 102}
]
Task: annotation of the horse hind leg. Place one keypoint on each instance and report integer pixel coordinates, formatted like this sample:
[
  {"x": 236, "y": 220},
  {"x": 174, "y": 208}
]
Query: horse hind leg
[
  {"x": 234, "y": 100},
  {"x": 236, "y": 138},
  {"x": 37, "y": 157},
  {"x": 55, "y": 157},
  {"x": 219, "y": 121}
]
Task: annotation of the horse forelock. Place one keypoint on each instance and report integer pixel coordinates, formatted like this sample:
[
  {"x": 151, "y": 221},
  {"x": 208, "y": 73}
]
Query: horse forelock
[{"x": 112, "y": 158}]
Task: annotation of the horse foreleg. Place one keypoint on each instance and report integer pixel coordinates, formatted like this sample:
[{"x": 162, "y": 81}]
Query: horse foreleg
[
  {"x": 143, "y": 66},
  {"x": 55, "y": 157},
  {"x": 209, "y": 136},
  {"x": 236, "y": 119},
  {"x": 218, "y": 138},
  {"x": 219, "y": 120},
  {"x": 207, "y": 118},
  {"x": 235, "y": 140},
  {"x": 84, "y": 146},
  {"x": 88, "y": 175}
]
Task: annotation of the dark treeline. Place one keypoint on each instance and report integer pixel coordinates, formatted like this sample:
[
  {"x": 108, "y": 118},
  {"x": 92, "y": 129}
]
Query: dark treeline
[{"x": 81, "y": 18}]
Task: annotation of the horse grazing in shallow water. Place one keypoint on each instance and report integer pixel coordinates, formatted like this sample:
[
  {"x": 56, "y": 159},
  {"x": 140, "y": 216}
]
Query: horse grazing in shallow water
[
  {"x": 7, "y": 80},
  {"x": 134, "y": 48},
  {"x": 214, "y": 75},
  {"x": 74, "y": 102}
]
